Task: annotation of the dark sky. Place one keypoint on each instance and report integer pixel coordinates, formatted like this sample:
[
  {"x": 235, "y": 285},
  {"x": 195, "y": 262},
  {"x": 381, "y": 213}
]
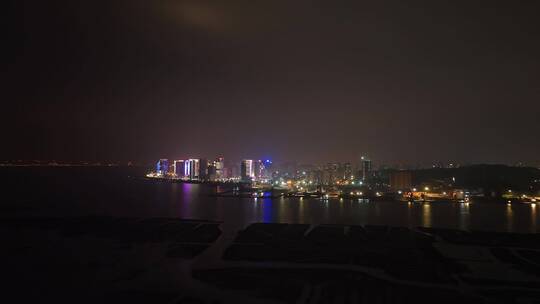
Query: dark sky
[{"x": 400, "y": 81}]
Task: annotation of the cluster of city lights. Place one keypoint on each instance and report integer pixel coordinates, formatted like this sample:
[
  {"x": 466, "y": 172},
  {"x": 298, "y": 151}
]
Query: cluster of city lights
[{"x": 334, "y": 180}]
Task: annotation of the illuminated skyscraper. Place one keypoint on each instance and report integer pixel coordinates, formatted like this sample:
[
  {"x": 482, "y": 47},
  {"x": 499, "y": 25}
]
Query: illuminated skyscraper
[
  {"x": 220, "y": 166},
  {"x": 191, "y": 168},
  {"x": 267, "y": 170},
  {"x": 178, "y": 166},
  {"x": 162, "y": 166},
  {"x": 258, "y": 169},
  {"x": 246, "y": 170}
]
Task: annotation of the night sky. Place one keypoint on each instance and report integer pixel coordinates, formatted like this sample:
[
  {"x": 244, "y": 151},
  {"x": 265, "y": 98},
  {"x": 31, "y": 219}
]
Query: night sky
[{"x": 312, "y": 81}]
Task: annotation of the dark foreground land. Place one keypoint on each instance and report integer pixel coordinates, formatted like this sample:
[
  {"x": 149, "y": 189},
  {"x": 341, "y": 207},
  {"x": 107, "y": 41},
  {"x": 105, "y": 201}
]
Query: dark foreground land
[{"x": 166, "y": 260}]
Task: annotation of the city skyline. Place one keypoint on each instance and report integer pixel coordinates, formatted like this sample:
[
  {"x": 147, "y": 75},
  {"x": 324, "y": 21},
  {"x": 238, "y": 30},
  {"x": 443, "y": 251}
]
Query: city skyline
[{"x": 263, "y": 179}]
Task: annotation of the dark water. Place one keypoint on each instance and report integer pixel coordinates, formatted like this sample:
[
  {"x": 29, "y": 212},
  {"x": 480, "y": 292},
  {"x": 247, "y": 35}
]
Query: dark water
[{"x": 40, "y": 191}]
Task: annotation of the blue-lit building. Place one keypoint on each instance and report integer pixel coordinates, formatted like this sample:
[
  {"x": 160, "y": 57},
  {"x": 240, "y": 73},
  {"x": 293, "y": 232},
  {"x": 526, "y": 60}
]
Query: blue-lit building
[
  {"x": 267, "y": 170},
  {"x": 162, "y": 166}
]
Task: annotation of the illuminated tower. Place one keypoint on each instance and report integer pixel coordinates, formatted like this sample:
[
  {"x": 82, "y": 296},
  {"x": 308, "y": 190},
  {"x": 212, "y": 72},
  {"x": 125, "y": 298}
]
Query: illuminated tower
[
  {"x": 267, "y": 170},
  {"x": 246, "y": 170},
  {"x": 258, "y": 169},
  {"x": 191, "y": 168}
]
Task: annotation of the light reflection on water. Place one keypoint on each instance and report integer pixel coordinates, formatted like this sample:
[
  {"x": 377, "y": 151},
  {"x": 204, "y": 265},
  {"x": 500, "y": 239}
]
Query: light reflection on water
[
  {"x": 193, "y": 201},
  {"x": 533, "y": 217},
  {"x": 301, "y": 211},
  {"x": 509, "y": 218},
  {"x": 426, "y": 215},
  {"x": 187, "y": 197},
  {"x": 463, "y": 216},
  {"x": 111, "y": 192}
]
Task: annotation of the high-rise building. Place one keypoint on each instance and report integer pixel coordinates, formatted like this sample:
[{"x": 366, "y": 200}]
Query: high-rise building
[
  {"x": 191, "y": 168},
  {"x": 219, "y": 163},
  {"x": 258, "y": 169},
  {"x": 246, "y": 170},
  {"x": 178, "y": 167},
  {"x": 365, "y": 168},
  {"x": 267, "y": 170},
  {"x": 162, "y": 166}
]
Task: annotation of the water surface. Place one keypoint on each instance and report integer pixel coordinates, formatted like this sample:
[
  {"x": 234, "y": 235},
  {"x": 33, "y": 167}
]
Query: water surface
[{"x": 117, "y": 191}]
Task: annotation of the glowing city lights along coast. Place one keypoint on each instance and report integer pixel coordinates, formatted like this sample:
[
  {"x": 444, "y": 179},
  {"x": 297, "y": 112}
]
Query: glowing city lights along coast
[
  {"x": 360, "y": 181},
  {"x": 200, "y": 169}
]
